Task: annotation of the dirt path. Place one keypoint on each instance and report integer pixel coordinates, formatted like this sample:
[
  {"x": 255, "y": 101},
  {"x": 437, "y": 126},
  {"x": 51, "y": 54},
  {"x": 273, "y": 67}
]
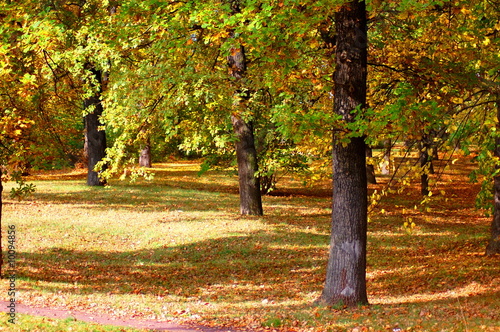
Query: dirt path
[{"x": 107, "y": 320}]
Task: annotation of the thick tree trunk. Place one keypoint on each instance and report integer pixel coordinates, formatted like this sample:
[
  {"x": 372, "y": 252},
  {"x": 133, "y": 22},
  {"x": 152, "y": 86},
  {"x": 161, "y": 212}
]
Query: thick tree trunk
[
  {"x": 494, "y": 243},
  {"x": 94, "y": 136},
  {"x": 246, "y": 154},
  {"x": 250, "y": 196},
  {"x": 346, "y": 270}
]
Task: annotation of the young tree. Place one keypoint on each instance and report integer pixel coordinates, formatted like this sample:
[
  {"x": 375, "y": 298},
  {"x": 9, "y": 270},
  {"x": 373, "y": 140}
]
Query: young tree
[{"x": 346, "y": 270}]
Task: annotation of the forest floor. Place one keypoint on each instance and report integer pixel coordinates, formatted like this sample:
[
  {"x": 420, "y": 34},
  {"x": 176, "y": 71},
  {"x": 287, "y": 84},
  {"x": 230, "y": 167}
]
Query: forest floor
[
  {"x": 175, "y": 249},
  {"x": 63, "y": 320}
]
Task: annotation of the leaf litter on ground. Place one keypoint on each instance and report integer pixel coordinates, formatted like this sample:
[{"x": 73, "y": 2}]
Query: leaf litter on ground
[{"x": 175, "y": 248}]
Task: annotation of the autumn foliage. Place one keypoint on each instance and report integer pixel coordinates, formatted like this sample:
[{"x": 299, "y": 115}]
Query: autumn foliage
[{"x": 276, "y": 79}]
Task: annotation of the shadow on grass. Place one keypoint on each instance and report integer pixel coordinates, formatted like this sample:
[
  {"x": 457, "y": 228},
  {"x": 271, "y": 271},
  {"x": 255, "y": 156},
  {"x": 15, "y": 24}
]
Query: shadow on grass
[
  {"x": 278, "y": 265},
  {"x": 208, "y": 268},
  {"x": 444, "y": 256},
  {"x": 157, "y": 197}
]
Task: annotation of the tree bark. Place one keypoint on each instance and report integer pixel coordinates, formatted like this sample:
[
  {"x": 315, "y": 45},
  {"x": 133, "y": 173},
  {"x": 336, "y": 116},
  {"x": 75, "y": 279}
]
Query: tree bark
[
  {"x": 246, "y": 154},
  {"x": 346, "y": 270},
  {"x": 425, "y": 165},
  {"x": 94, "y": 136},
  {"x": 494, "y": 243},
  {"x": 145, "y": 155}
]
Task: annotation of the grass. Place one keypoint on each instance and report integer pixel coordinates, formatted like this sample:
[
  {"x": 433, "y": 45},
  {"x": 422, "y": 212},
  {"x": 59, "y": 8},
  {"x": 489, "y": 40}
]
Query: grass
[
  {"x": 176, "y": 248},
  {"x": 27, "y": 323}
]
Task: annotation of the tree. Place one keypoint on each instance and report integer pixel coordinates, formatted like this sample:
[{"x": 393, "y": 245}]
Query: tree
[
  {"x": 425, "y": 164},
  {"x": 494, "y": 242},
  {"x": 454, "y": 65},
  {"x": 18, "y": 98},
  {"x": 145, "y": 154},
  {"x": 250, "y": 196},
  {"x": 182, "y": 60},
  {"x": 246, "y": 154},
  {"x": 66, "y": 66},
  {"x": 346, "y": 270},
  {"x": 95, "y": 136}
]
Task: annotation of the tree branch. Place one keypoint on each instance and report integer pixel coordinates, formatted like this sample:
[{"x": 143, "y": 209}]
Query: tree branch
[{"x": 386, "y": 66}]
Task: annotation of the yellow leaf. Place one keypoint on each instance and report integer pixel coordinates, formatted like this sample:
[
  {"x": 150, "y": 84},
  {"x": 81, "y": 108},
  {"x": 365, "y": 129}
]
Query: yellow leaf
[{"x": 465, "y": 11}]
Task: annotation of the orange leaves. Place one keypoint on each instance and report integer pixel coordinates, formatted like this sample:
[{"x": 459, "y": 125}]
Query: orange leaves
[{"x": 14, "y": 127}]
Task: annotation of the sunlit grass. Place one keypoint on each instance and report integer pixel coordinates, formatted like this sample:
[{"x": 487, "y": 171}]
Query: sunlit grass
[
  {"x": 176, "y": 247},
  {"x": 27, "y": 323}
]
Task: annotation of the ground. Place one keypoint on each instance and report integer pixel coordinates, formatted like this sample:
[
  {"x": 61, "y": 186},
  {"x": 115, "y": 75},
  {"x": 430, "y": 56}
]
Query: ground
[{"x": 175, "y": 249}]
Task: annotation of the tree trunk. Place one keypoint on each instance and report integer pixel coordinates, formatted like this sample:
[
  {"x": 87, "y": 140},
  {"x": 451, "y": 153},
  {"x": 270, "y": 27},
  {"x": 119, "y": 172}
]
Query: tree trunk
[
  {"x": 346, "y": 270},
  {"x": 494, "y": 243},
  {"x": 95, "y": 139},
  {"x": 370, "y": 169},
  {"x": 94, "y": 136},
  {"x": 145, "y": 155},
  {"x": 431, "y": 150},
  {"x": 385, "y": 165},
  {"x": 246, "y": 154},
  {"x": 425, "y": 165},
  {"x": 250, "y": 196},
  {"x": 438, "y": 134}
]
